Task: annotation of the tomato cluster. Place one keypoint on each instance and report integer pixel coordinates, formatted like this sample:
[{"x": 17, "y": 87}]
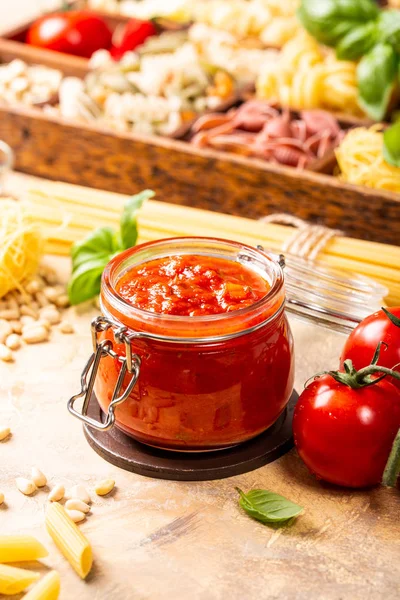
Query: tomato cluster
[
  {"x": 346, "y": 421},
  {"x": 82, "y": 32}
]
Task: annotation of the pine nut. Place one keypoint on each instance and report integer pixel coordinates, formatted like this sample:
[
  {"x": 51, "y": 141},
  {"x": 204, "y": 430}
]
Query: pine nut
[
  {"x": 51, "y": 314},
  {"x": 39, "y": 323},
  {"x": 9, "y": 314},
  {"x": 5, "y": 354},
  {"x": 57, "y": 493},
  {"x": 76, "y": 504},
  {"x": 66, "y": 327},
  {"x": 28, "y": 311},
  {"x": 25, "y": 486},
  {"x": 45, "y": 323},
  {"x": 35, "y": 335},
  {"x": 13, "y": 304},
  {"x": 26, "y": 320},
  {"x": 42, "y": 299},
  {"x": 1, "y": 498},
  {"x": 5, "y": 330},
  {"x": 62, "y": 301},
  {"x": 4, "y": 433},
  {"x": 16, "y": 326},
  {"x": 104, "y": 487},
  {"x": 59, "y": 288},
  {"x": 13, "y": 341},
  {"x": 50, "y": 293},
  {"x": 33, "y": 286},
  {"x": 76, "y": 515},
  {"x": 80, "y": 492},
  {"x": 38, "y": 478},
  {"x": 22, "y": 297}
]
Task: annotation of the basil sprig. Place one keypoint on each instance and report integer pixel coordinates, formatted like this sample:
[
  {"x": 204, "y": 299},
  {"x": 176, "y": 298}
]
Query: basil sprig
[
  {"x": 330, "y": 20},
  {"x": 391, "y": 145},
  {"x": 268, "y": 507},
  {"x": 359, "y": 29},
  {"x": 389, "y": 28},
  {"x": 376, "y": 75},
  {"x": 90, "y": 257},
  {"x": 358, "y": 42}
]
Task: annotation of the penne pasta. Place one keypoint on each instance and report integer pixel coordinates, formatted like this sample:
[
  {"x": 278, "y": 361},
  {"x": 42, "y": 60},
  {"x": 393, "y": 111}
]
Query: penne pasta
[
  {"x": 13, "y": 580},
  {"x": 48, "y": 588},
  {"x": 69, "y": 539},
  {"x": 19, "y": 548}
]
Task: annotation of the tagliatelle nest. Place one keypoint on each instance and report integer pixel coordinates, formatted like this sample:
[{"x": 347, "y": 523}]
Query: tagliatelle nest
[
  {"x": 361, "y": 161},
  {"x": 21, "y": 245}
]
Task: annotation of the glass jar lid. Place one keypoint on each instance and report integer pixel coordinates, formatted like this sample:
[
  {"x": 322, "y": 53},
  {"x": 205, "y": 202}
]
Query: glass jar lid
[{"x": 328, "y": 296}]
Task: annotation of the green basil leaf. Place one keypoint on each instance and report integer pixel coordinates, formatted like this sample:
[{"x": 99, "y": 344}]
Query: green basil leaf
[
  {"x": 268, "y": 507},
  {"x": 330, "y": 20},
  {"x": 388, "y": 27},
  {"x": 129, "y": 231},
  {"x": 357, "y": 42},
  {"x": 376, "y": 75},
  {"x": 86, "y": 279},
  {"x": 100, "y": 243},
  {"x": 391, "y": 145}
]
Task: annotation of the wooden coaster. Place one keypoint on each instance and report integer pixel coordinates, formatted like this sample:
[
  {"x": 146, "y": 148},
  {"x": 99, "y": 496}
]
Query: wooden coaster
[{"x": 124, "y": 452}]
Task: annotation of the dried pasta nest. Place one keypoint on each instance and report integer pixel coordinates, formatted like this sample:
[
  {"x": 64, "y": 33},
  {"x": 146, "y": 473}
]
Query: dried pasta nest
[{"x": 21, "y": 245}]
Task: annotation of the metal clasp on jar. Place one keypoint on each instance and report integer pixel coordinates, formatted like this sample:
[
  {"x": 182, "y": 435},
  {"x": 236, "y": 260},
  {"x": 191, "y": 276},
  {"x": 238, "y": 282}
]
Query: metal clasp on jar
[{"x": 130, "y": 363}]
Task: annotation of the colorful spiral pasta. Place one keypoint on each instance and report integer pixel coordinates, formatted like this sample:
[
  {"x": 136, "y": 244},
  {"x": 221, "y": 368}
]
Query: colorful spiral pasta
[{"x": 307, "y": 75}]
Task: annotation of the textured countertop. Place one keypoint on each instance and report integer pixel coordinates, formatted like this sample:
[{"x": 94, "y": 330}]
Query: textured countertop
[{"x": 160, "y": 540}]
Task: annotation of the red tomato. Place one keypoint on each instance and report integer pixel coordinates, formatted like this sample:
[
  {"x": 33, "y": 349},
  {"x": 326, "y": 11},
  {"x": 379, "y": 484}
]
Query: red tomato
[
  {"x": 361, "y": 343},
  {"x": 74, "y": 32},
  {"x": 345, "y": 435},
  {"x": 134, "y": 34}
]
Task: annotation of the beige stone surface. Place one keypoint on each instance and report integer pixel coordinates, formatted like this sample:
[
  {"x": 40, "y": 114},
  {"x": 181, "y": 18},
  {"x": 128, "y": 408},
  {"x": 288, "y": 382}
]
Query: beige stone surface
[{"x": 160, "y": 540}]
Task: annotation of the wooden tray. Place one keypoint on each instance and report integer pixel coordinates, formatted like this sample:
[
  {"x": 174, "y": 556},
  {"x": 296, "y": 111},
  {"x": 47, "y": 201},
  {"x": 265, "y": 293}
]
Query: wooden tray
[
  {"x": 92, "y": 155},
  {"x": 96, "y": 157}
]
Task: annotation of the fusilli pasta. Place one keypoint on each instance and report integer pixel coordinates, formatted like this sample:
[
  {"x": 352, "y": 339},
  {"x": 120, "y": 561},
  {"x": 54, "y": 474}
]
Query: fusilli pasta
[{"x": 307, "y": 75}]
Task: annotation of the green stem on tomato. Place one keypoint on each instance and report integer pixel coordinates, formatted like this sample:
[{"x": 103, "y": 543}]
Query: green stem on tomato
[
  {"x": 362, "y": 378},
  {"x": 370, "y": 370},
  {"x": 392, "y": 469},
  {"x": 395, "y": 320}
]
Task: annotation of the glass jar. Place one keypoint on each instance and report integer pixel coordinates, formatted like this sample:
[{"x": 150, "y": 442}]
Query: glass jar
[{"x": 192, "y": 383}]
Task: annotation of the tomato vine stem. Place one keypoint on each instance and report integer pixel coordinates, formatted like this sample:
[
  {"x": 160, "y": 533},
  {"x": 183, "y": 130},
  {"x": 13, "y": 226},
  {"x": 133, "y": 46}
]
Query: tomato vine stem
[
  {"x": 392, "y": 469},
  {"x": 363, "y": 377},
  {"x": 395, "y": 320}
]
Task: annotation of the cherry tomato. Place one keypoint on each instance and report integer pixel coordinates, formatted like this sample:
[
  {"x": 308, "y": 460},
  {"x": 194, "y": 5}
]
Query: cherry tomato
[
  {"x": 133, "y": 35},
  {"x": 74, "y": 32},
  {"x": 361, "y": 343},
  {"x": 345, "y": 435}
]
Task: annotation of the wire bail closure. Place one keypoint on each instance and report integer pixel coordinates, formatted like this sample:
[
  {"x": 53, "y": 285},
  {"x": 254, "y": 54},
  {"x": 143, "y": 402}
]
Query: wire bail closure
[{"x": 130, "y": 363}]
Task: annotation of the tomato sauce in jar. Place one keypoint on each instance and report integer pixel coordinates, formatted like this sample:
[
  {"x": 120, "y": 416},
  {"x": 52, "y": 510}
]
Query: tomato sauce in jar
[
  {"x": 207, "y": 321},
  {"x": 191, "y": 286}
]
